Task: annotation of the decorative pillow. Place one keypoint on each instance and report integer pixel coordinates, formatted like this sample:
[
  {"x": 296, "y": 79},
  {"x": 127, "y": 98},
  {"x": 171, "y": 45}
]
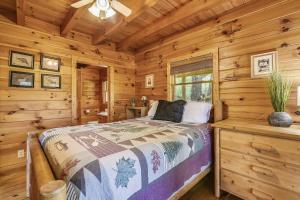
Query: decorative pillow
[
  {"x": 170, "y": 111},
  {"x": 153, "y": 108},
  {"x": 196, "y": 112}
]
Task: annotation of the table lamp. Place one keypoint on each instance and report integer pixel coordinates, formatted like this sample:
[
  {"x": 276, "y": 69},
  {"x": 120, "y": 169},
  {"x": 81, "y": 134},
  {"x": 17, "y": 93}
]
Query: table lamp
[{"x": 144, "y": 100}]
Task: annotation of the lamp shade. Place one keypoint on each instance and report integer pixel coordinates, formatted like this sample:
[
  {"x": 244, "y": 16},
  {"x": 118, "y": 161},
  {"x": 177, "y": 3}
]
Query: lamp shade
[{"x": 144, "y": 98}]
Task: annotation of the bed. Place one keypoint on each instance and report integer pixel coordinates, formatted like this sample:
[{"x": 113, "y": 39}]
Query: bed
[{"x": 132, "y": 159}]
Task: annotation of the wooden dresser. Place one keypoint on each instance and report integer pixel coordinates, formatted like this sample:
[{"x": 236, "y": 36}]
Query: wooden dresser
[{"x": 256, "y": 161}]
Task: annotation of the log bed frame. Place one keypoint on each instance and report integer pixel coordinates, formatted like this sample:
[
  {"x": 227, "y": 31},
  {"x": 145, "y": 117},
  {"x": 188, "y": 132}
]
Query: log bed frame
[{"x": 41, "y": 182}]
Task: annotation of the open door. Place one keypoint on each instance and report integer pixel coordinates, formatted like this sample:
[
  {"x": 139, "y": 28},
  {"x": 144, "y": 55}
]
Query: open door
[{"x": 92, "y": 94}]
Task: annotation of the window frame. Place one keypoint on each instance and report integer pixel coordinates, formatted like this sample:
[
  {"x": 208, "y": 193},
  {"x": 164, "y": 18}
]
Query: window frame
[{"x": 215, "y": 73}]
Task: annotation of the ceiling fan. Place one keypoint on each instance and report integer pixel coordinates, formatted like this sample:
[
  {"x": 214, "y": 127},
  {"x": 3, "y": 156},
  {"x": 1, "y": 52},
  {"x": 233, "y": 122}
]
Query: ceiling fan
[{"x": 104, "y": 8}]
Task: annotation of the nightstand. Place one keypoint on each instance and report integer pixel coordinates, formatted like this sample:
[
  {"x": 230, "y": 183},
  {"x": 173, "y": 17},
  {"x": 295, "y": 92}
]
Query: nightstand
[
  {"x": 135, "y": 112},
  {"x": 256, "y": 161}
]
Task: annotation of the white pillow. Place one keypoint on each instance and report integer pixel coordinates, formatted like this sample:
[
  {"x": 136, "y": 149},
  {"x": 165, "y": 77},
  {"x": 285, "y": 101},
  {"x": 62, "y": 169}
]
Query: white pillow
[
  {"x": 196, "y": 112},
  {"x": 153, "y": 109}
]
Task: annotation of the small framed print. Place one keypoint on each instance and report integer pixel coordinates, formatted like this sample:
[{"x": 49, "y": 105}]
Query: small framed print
[
  {"x": 51, "y": 81},
  {"x": 22, "y": 60},
  {"x": 50, "y": 63},
  {"x": 21, "y": 79},
  {"x": 263, "y": 64},
  {"x": 149, "y": 81}
]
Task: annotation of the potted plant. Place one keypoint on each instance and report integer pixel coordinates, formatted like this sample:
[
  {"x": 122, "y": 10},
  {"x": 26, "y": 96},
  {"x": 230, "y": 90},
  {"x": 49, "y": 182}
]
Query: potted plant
[
  {"x": 133, "y": 101},
  {"x": 279, "y": 90}
]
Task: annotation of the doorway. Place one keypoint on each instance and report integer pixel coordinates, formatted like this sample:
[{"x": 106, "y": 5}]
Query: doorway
[{"x": 92, "y": 94}]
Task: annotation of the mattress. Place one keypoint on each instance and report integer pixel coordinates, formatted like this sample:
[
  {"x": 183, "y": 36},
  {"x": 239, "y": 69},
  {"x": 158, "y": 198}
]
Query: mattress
[{"x": 133, "y": 159}]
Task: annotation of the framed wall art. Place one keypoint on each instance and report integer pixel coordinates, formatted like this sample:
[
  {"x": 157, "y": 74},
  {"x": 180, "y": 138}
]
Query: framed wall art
[
  {"x": 263, "y": 64},
  {"x": 51, "y": 81},
  {"x": 50, "y": 63},
  {"x": 149, "y": 81},
  {"x": 21, "y": 79},
  {"x": 20, "y": 59}
]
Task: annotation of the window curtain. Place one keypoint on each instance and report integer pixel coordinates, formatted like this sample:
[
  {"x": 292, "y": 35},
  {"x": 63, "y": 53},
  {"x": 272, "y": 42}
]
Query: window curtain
[{"x": 192, "y": 64}]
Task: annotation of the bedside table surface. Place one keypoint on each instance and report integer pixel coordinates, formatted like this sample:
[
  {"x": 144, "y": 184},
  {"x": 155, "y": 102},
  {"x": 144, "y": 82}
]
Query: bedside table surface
[
  {"x": 136, "y": 108},
  {"x": 260, "y": 127}
]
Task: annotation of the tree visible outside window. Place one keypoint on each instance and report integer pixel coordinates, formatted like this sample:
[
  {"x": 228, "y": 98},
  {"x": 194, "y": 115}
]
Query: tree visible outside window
[{"x": 193, "y": 86}]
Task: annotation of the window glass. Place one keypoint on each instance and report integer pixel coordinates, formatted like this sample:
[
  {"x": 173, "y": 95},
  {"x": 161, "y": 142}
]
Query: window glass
[
  {"x": 178, "y": 92},
  {"x": 198, "y": 92},
  {"x": 104, "y": 91},
  {"x": 193, "y": 86},
  {"x": 178, "y": 79}
]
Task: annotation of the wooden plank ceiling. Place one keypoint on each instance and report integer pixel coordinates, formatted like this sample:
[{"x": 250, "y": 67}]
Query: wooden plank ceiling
[{"x": 151, "y": 20}]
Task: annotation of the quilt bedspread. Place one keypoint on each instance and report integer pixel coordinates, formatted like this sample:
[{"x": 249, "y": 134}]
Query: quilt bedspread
[{"x": 132, "y": 159}]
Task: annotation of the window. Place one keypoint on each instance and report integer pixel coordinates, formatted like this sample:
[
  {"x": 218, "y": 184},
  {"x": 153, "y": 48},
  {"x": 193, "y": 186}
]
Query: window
[
  {"x": 192, "y": 80},
  {"x": 105, "y": 91}
]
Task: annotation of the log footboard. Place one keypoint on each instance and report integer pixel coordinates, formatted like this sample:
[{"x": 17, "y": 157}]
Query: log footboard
[{"x": 42, "y": 184}]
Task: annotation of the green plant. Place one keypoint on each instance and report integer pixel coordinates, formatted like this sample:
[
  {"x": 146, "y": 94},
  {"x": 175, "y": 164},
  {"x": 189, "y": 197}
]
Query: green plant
[
  {"x": 132, "y": 100},
  {"x": 279, "y": 90}
]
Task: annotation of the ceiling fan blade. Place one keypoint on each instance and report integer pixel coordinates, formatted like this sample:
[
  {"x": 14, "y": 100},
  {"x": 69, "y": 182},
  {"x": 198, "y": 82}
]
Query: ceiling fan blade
[
  {"x": 121, "y": 8},
  {"x": 81, "y": 3}
]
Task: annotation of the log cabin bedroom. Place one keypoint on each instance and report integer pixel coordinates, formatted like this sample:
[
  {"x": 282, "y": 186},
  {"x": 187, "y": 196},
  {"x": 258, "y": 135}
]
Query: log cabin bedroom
[{"x": 149, "y": 99}]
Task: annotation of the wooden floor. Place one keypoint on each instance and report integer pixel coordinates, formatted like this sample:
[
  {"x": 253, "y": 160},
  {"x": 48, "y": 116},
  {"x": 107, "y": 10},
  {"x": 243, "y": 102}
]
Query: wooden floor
[
  {"x": 12, "y": 183},
  {"x": 205, "y": 191},
  {"x": 12, "y": 187}
]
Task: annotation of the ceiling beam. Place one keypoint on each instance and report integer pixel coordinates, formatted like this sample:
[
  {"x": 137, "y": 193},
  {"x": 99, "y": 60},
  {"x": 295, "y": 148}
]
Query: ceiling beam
[
  {"x": 101, "y": 36},
  {"x": 186, "y": 11},
  {"x": 20, "y": 13},
  {"x": 146, "y": 4},
  {"x": 71, "y": 19}
]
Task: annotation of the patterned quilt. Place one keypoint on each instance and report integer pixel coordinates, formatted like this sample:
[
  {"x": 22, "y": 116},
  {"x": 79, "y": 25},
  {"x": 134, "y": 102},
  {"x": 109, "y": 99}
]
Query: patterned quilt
[{"x": 140, "y": 159}]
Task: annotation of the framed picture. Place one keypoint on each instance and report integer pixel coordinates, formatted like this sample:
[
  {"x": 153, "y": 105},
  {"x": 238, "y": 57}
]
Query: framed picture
[
  {"x": 21, "y": 79},
  {"x": 23, "y": 60},
  {"x": 51, "y": 81},
  {"x": 50, "y": 63},
  {"x": 149, "y": 81},
  {"x": 263, "y": 64}
]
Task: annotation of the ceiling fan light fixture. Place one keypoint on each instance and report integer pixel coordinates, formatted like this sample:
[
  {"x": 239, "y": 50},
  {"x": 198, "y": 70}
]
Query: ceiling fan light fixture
[
  {"x": 110, "y": 12},
  {"x": 102, "y": 9},
  {"x": 94, "y": 10},
  {"x": 102, "y": 14}
]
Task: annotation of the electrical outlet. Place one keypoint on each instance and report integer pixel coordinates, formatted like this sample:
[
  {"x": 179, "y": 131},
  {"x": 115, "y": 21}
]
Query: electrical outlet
[{"x": 21, "y": 153}]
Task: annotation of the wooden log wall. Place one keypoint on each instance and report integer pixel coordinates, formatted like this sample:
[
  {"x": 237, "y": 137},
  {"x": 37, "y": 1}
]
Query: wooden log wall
[
  {"x": 263, "y": 26},
  {"x": 23, "y": 110},
  {"x": 124, "y": 87}
]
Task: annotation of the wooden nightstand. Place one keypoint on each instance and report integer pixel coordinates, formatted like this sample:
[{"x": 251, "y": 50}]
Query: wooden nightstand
[
  {"x": 256, "y": 161},
  {"x": 134, "y": 112}
]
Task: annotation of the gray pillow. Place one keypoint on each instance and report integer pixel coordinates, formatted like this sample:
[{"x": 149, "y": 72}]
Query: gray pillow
[{"x": 170, "y": 111}]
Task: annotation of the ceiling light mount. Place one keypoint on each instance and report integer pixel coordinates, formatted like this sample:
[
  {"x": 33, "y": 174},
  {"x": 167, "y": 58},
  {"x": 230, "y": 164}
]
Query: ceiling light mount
[{"x": 104, "y": 8}]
